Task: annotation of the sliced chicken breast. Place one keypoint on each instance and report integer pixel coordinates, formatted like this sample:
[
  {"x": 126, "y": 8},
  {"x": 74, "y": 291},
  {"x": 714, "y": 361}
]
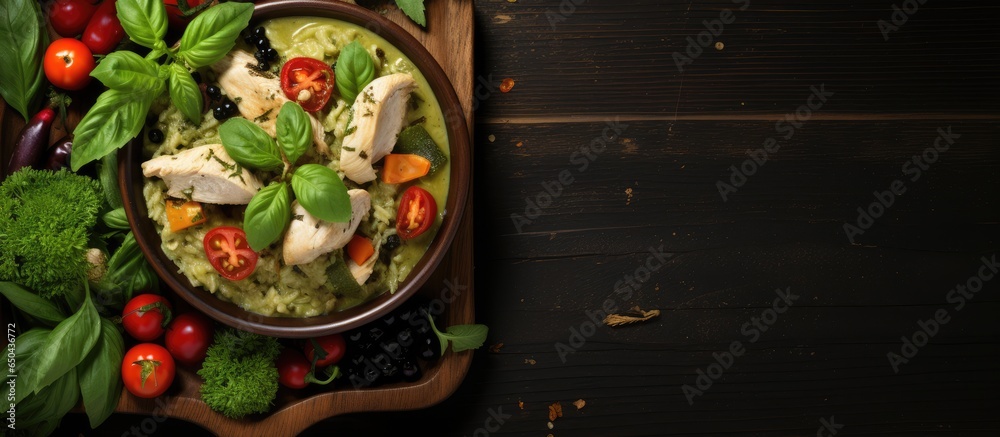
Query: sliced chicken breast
[
  {"x": 379, "y": 115},
  {"x": 362, "y": 272},
  {"x": 309, "y": 237},
  {"x": 204, "y": 174},
  {"x": 259, "y": 94}
]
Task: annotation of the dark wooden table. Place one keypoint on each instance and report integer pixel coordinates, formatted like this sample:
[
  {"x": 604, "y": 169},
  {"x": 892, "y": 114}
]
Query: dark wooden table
[{"x": 700, "y": 190}]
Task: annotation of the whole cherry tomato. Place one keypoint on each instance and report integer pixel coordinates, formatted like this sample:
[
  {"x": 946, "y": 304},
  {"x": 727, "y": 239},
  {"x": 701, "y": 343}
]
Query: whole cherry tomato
[
  {"x": 70, "y": 17},
  {"x": 307, "y": 81},
  {"x": 228, "y": 251},
  {"x": 333, "y": 345},
  {"x": 292, "y": 368},
  {"x": 188, "y": 337},
  {"x": 148, "y": 370},
  {"x": 68, "y": 64},
  {"x": 176, "y": 17},
  {"x": 104, "y": 31},
  {"x": 145, "y": 316},
  {"x": 417, "y": 211}
]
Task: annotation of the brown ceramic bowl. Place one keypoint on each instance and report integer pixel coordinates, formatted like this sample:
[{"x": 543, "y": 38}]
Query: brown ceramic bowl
[{"x": 131, "y": 181}]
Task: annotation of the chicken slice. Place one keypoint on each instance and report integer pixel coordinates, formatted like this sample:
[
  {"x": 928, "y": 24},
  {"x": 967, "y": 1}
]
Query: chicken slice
[
  {"x": 379, "y": 115},
  {"x": 259, "y": 94},
  {"x": 362, "y": 272},
  {"x": 309, "y": 237},
  {"x": 204, "y": 174}
]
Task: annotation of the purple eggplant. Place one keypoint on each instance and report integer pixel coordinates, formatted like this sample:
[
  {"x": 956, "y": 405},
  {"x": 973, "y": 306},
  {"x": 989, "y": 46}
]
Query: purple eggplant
[
  {"x": 59, "y": 153},
  {"x": 32, "y": 141}
]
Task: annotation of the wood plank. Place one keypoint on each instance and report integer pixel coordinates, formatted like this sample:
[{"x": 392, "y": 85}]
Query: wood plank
[{"x": 614, "y": 58}]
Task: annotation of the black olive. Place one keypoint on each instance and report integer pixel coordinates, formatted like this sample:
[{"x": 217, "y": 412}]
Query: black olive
[
  {"x": 271, "y": 54},
  {"x": 213, "y": 92},
  {"x": 156, "y": 136},
  {"x": 391, "y": 243},
  {"x": 196, "y": 76},
  {"x": 260, "y": 56},
  {"x": 260, "y": 32},
  {"x": 264, "y": 66},
  {"x": 263, "y": 44}
]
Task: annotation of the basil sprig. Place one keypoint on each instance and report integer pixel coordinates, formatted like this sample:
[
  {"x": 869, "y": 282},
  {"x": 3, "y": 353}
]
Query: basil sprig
[
  {"x": 355, "y": 70},
  {"x": 135, "y": 82},
  {"x": 317, "y": 188},
  {"x": 22, "y": 30}
]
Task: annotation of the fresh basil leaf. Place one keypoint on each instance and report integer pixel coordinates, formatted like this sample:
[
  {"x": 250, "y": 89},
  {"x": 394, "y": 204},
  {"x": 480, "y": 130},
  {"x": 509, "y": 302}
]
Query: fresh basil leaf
[
  {"x": 22, "y": 30},
  {"x": 25, "y": 347},
  {"x": 116, "y": 219},
  {"x": 464, "y": 337},
  {"x": 42, "y": 412},
  {"x": 413, "y": 9},
  {"x": 145, "y": 22},
  {"x": 67, "y": 345},
  {"x": 185, "y": 94},
  {"x": 249, "y": 145},
  {"x": 294, "y": 130},
  {"x": 32, "y": 304},
  {"x": 355, "y": 70},
  {"x": 127, "y": 71},
  {"x": 213, "y": 33},
  {"x": 267, "y": 215},
  {"x": 322, "y": 193},
  {"x": 107, "y": 174},
  {"x": 113, "y": 121},
  {"x": 100, "y": 374}
]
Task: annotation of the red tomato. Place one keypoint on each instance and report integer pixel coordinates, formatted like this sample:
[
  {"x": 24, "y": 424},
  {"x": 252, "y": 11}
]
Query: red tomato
[
  {"x": 308, "y": 82},
  {"x": 145, "y": 316},
  {"x": 228, "y": 251},
  {"x": 417, "y": 211},
  {"x": 292, "y": 368},
  {"x": 70, "y": 17},
  {"x": 188, "y": 338},
  {"x": 104, "y": 31},
  {"x": 68, "y": 64},
  {"x": 176, "y": 18},
  {"x": 334, "y": 346},
  {"x": 147, "y": 370}
]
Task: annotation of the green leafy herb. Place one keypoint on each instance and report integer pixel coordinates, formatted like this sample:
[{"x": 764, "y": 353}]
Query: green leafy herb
[
  {"x": 66, "y": 346},
  {"x": 145, "y": 22},
  {"x": 267, "y": 215},
  {"x": 100, "y": 374},
  {"x": 43, "y": 411},
  {"x": 239, "y": 373},
  {"x": 213, "y": 33},
  {"x": 294, "y": 130},
  {"x": 322, "y": 193},
  {"x": 22, "y": 30},
  {"x": 413, "y": 9},
  {"x": 116, "y": 219},
  {"x": 185, "y": 94},
  {"x": 115, "y": 118},
  {"x": 127, "y": 71},
  {"x": 461, "y": 337},
  {"x": 355, "y": 70},
  {"x": 249, "y": 145},
  {"x": 32, "y": 304},
  {"x": 107, "y": 174}
]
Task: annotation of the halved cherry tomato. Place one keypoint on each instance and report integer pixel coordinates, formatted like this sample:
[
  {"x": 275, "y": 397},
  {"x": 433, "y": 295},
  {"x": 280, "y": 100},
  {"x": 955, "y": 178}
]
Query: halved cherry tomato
[
  {"x": 308, "y": 82},
  {"x": 229, "y": 253},
  {"x": 178, "y": 21},
  {"x": 416, "y": 213},
  {"x": 70, "y": 17},
  {"x": 68, "y": 63},
  {"x": 104, "y": 31},
  {"x": 148, "y": 370},
  {"x": 404, "y": 167}
]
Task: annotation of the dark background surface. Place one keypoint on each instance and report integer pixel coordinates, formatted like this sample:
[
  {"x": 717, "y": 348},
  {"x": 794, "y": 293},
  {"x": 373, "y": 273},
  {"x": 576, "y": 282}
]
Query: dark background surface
[{"x": 577, "y": 66}]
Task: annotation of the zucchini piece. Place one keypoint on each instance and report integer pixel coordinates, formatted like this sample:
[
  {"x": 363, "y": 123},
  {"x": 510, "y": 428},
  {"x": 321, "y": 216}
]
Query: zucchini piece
[
  {"x": 339, "y": 276},
  {"x": 417, "y": 141}
]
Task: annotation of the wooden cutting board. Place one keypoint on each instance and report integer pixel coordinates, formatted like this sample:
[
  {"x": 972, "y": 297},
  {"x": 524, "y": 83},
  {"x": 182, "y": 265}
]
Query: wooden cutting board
[{"x": 449, "y": 38}]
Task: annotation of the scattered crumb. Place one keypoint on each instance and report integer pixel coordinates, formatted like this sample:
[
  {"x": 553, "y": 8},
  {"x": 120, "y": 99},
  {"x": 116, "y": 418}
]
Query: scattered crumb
[
  {"x": 630, "y": 146},
  {"x": 492, "y": 138},
  {"x": 496, "y": 348},
  {"x": 628, "y": 194},
  {"x": 552, "y": 236},
  {"x": 519, "y": 144},
  {"x": 506, "y": 84},
  {"x": 520, "y": 404},
  {"x": 530, "y": 360},
  {"x": 555, "y": 410},
  {"x": 551, "y": 425},
  {"x": 625, "y": 319},
  {"x": 502, "y": 19},
  {"x": 579, "y": 404},
  {"x": 719, "y": 45}
]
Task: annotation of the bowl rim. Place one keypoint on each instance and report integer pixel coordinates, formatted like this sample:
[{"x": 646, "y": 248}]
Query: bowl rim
[{"x": 130, "y": 185}]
